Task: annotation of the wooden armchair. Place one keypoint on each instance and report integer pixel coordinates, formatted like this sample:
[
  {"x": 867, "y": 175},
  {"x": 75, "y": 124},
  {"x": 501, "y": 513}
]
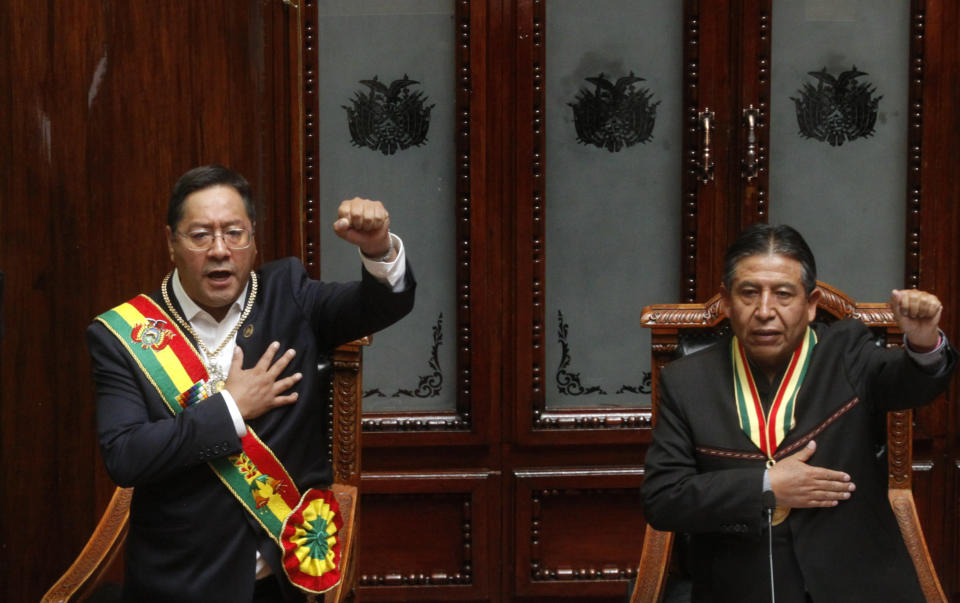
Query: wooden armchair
[
  {"x": 683, "y": 328},
  {"x": 90, "y": 570}
]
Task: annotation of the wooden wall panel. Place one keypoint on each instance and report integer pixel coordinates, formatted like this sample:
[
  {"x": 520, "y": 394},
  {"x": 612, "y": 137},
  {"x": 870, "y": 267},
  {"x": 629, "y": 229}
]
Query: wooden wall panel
[
  {"x": 576, "y": 531},
  {"x": 399, "y": 520},
  {"x": 427, "y": 537},
  {"x": 105, "y": 105}
]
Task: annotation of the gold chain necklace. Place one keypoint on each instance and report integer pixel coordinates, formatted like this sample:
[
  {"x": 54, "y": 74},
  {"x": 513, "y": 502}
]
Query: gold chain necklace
[{"x": 217, "y": 377}]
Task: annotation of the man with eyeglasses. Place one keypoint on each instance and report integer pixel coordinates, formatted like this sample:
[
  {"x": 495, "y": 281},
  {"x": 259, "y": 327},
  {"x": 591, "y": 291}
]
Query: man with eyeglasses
[{"x": 210, "y": 401}]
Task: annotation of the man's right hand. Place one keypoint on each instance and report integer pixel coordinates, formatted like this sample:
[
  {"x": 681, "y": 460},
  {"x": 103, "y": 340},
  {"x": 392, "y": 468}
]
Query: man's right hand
[
  {"x": 258, "y": 389},
  {"x": 797, "y": 484}
]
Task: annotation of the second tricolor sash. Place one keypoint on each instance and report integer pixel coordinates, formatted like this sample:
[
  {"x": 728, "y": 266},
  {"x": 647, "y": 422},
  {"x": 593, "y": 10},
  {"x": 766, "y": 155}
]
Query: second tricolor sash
[
  {"x": 767, "y": 430},
  {"x": 305, "y": 527}
]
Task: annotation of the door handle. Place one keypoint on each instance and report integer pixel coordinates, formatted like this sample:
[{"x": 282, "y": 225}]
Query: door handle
[
  {"x": 705, "y": 165},
  {"x": 751, "y": 164}
]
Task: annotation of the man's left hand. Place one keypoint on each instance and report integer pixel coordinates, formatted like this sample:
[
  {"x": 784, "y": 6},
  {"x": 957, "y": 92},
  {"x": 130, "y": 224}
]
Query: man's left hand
[
  {"x": 918, "y": 315},
  {"x": 366, "y": 224}
]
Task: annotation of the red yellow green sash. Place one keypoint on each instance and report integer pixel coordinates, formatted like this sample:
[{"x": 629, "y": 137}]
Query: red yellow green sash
[
  {"x": 767, "y": 430},
  {"x": 305, "y": 527}
]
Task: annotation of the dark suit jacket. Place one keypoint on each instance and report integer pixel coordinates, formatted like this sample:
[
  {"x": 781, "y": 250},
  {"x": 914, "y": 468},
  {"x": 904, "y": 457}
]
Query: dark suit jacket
[
  {"x": 704, "y": 475},
  {"x": 190, "y": 539}
]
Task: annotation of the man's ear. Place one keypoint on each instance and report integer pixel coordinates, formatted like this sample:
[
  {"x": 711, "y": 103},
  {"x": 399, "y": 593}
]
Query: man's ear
[
  {"x": 170, "y": 236},
  {"x": 812, "y": 300}
]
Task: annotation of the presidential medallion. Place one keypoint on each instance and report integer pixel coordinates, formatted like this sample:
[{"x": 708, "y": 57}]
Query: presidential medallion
[{"x": 217, "y": 380}]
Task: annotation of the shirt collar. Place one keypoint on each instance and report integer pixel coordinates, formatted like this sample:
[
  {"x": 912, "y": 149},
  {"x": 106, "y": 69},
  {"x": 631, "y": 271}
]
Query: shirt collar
[{"x": 190, "y": 308}]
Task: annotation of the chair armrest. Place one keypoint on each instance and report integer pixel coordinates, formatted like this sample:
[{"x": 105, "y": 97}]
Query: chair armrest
[
  {"x": 654, "y": 566},
  {"x": 83, "y": 577},
  {"x": 347, "y": 498},
  {"x": 905, "y": 510}
]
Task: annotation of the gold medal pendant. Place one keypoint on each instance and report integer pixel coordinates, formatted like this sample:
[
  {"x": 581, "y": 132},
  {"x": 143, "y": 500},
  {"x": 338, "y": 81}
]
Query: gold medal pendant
[
  {"x": 780, "y": 514},
  {"x": 217, "y": 380}
]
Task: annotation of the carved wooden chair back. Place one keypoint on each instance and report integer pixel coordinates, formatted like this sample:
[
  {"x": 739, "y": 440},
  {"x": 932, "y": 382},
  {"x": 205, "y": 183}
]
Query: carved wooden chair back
[
  {"x": 100, "y": 562},
  {"x": 678, "y": 329}
]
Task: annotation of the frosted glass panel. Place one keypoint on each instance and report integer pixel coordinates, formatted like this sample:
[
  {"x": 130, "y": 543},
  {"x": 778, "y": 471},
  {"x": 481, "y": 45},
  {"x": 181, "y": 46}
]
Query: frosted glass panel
[
  {"x": 838, "y": 139},
  {"x": 612, "y": 192},
  {"x": 386, "y": 128}
]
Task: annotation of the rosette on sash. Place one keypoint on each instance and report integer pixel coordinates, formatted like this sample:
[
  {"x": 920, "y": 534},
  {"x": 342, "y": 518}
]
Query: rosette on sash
[{"x": 311, "y": 543}]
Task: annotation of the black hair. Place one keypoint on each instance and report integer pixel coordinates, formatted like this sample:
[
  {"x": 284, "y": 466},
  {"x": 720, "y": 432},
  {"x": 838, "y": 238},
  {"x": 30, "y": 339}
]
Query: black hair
[
  {"x": 766, "y": 239},
  {"x": 203, "y": 177}
]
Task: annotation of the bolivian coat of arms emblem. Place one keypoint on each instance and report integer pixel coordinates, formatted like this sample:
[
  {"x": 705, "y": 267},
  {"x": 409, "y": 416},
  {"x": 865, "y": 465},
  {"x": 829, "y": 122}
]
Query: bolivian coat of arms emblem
[
  {"x": 389, "y": 118},
  {"x": 614, "y": 115},
  {"x": 837, "y": 109},
  {"x": 153, "y": 334}
]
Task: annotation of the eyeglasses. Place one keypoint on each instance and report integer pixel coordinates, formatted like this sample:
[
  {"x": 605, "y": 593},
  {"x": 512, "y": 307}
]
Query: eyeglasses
[{"x": 202, "y": 240}]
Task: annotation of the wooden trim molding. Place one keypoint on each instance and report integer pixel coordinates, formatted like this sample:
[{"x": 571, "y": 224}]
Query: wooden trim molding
[
  {"x": 347, "y": 384},
  {"x": 755, "y": 91},
  {"x": 899, "y": 458},
  {"x": 915, "y": 144},
  {"x": 412, "y": 422},
  {"x": 464, "y": 334},
  {"x": 591, "y": 419},
  {"x": 690, "y": 183},
  {"x": 310, "y": 145},
  {"x": 537, "y": 209}
]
